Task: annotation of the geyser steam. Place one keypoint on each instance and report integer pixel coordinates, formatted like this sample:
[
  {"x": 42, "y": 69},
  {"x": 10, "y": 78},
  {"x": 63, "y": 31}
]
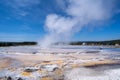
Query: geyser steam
[{"x": 79, "y": 14}]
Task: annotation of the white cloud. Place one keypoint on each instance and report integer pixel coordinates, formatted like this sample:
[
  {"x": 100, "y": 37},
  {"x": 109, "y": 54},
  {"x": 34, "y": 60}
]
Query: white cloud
[
  {"x": 22, "y": 3},
  {"x": 61, "y": 3},
  {"x": 25, "y": 27},
  {"x": 21, "y": 7}
]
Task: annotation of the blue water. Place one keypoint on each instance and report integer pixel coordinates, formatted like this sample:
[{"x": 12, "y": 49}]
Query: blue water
[{"x": 112, "y": 49}]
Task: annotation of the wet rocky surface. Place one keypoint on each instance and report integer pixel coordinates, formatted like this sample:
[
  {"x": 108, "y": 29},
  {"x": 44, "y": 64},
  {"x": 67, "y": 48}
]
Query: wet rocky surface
[{"x": 53, "y": 64}]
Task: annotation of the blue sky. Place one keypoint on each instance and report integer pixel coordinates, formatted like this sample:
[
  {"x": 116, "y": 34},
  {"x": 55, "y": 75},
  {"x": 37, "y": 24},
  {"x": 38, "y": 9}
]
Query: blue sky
[{"x": 24, "y": 20}]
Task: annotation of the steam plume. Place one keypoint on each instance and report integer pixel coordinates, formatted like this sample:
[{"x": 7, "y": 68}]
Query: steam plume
[{"x": 79, "y": 14}]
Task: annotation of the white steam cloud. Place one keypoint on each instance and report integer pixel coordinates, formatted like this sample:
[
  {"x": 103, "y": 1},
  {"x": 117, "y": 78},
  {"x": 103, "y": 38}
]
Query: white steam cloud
[{"x": 79, "y": 14}]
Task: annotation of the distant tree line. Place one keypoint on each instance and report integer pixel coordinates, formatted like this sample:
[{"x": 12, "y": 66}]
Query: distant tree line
[
  {"x": 4, "y": 44},
  {"x": 111, "y": 42}
]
